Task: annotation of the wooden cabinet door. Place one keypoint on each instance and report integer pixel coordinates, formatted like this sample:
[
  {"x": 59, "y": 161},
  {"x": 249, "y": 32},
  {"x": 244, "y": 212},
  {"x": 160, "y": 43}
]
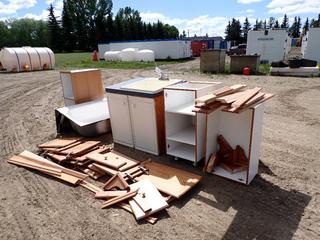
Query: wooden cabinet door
[
  {"x": 120, "y": 119},
  {"x": 144, "y": 127}
]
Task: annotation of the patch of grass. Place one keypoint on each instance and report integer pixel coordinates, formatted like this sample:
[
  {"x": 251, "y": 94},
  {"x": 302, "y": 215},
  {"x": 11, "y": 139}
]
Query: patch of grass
[
  {"x": 83, "y": 60},
  {"x": 264, "y": 69}
]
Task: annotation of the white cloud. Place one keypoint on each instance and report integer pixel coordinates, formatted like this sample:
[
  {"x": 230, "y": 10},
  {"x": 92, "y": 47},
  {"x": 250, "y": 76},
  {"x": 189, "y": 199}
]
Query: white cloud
[
  {"x": 12, "y": 6},
  {"x": 291, "y": 7},
  {"x": 214, "y": 26},
  {"x": 43, "y": 16},
  {"x": 248, "y": 1},
  {"x": 250, "y": 11}
]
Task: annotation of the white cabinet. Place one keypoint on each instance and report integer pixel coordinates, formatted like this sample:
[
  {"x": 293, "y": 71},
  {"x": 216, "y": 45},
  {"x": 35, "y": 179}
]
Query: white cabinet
[
  {"x": 120, "y": 120},
  {"x": 136, "y": 121},
  {"x": 144, "y": 126},
  {"x": 185, "y": 129},
  {"x": 243, "y": 129}
]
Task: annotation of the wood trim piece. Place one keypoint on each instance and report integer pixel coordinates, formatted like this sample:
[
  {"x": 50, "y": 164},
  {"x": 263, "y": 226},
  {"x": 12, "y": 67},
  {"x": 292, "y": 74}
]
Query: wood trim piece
[
  {"x": 119, "y": 199},
  {"x": 81, "y": 148},
  {"x": 109, "y": 159},
  {"x": 91, "y": 187},
  {"x": 109, "y": 194}
]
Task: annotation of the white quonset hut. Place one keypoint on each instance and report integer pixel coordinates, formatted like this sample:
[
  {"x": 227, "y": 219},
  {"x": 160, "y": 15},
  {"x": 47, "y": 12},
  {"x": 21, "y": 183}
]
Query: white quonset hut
[
  {"x": 310, "y": 47},
  {"x": 27, "y": 59},
  {"x": 163, "y": 49},
  {"x": 271, "y": 45}
]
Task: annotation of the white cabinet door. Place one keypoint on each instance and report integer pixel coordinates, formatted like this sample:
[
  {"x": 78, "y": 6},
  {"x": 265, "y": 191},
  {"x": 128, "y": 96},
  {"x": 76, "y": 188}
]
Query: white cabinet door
[
  {"x": 120, "y": 119},
  {"x": 143, "y": 119}
]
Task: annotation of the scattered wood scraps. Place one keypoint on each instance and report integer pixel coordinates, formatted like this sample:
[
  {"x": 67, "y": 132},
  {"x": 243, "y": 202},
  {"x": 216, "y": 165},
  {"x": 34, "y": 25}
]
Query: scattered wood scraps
[{"x": 140, "y": 187}]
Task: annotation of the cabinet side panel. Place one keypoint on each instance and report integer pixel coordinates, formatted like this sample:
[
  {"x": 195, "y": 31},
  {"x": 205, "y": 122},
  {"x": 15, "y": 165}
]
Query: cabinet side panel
[
  {"x": 201, "y": 124},
  {"x": 95, "y": 85},
  {"x": 256, "y": 141},
  {"x": 236, "y": 129},
  {"x": 66, "y": 85},
  {"x": 161, "y": 132},
  {"x": 212, "y": 133}
]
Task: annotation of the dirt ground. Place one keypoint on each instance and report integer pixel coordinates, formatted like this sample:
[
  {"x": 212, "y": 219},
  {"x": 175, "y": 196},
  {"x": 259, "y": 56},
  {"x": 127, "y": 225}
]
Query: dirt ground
[{"x": 283, "y": 201}]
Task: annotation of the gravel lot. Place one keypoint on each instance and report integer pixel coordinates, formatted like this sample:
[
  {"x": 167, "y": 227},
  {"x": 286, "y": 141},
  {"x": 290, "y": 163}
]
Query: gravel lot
[{"x": 283, "y": 201}]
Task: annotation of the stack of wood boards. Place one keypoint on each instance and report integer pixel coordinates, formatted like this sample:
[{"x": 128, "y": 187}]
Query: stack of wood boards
[
  {"x": 141, "y": 188},
  {"x": 232, "y": 160},
  {"x": 235, "y": 99}
]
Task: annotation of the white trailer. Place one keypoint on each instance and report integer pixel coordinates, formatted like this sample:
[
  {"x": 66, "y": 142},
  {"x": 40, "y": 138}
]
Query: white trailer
[
  {"x": 310, "y": 47},
  {"x": 163, "y": 49},
  {"x": 271, "y": 45}
]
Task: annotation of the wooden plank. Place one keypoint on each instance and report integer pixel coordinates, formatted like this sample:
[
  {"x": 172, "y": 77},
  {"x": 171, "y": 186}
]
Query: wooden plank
[
  {"x": 148, "y": 198},
  {"x": 106, "y": 169},
  {"x": 91, "y": 187},
  {"x": 127, "y": 207},
  {"x": 109, "y": 194},
  {"x": 245, "y": 107},
  {"x": 246, "y": 97},
  {"x": 58, "y": 143},
  {"x": 21, "y": 161},
  {"x": 130, "y": 162},
  {"x": 230, "y": 98},
  {"x": 81, "y": 148},
  {"x": 172, "y": 181},
  {"x": 119, "y": 199},
  {"x": 17, "y": 160},
  {"x": 57, "y": 157},
  {"x": 109, "y": 159},
  {"x": 94, "y": 150},
  {"x": 35, "y": 158}
]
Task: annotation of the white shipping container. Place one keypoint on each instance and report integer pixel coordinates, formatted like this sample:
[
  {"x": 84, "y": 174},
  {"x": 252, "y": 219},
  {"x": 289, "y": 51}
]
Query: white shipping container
[
  {"x": 310, "y": 47},
  {"x": 271, "y": 45},
  {"x": 163, "y": 49}
]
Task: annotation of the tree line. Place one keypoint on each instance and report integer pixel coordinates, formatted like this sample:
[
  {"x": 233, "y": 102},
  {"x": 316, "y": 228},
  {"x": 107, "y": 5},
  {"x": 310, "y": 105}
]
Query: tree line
[
  {"x": 238, "y": 33},
  {"x": 81, "y": 26}
]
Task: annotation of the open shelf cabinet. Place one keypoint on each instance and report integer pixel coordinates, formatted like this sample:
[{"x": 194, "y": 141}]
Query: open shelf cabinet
[{"x": 243, "y": 129}]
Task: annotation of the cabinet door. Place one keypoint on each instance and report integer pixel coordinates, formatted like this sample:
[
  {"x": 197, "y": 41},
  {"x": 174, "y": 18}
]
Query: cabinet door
[
  {"x": 143, "y": 119},
  {"x": 120, "y": 119}
]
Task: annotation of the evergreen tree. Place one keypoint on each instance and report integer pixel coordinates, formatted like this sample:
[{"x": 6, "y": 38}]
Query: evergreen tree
[
  {"x": 306, "y": 26},
  {"x": 258, "y": 25},
  {"x": 68, "y": 38},
  {"x": 54, "y": 31},
  {"x": 285, "y": 22},
  {"x": 246, "y": 28},
  {"x": 276, "y": 25},
  {"x": 271, "y": 23},
  {"x": 233, "y": 31},
  {"x": 295, "y": 28}
]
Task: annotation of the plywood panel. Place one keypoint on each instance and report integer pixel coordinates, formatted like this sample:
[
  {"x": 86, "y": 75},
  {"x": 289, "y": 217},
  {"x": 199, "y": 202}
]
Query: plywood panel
[
  {"x": 172, "y": 181},
  {"x": 150, "y": 85}
]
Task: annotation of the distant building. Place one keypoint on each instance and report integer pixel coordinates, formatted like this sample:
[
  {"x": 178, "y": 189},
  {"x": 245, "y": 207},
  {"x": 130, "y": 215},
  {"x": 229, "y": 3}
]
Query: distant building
[{"x": 204, "y": 42}]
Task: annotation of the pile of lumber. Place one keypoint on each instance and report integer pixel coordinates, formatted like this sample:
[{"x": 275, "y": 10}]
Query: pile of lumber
[
  {"x": 232, "y": 160},
  {"x": 141, "y": 188},
  {"x": 235, "y": 98}
]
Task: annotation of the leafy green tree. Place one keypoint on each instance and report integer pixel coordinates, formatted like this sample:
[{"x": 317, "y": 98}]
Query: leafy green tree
[
  {"x": 4, "y": 35},
  {"x": 306, "y": 26}
]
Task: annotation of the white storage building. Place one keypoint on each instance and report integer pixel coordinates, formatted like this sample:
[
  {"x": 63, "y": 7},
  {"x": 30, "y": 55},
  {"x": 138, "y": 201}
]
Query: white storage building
[
  {"x": 310, "y": 47},
  {"x": 271, "y": 45},
  {"x": 27, "y": 59},
  {"x": 163, "y": 49}
]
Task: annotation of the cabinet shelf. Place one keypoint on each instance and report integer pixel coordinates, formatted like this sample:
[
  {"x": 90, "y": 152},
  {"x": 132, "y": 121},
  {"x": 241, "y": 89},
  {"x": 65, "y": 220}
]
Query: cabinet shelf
[
  {"x": 184, "y": 151},
  {"x": 183, "y": 109},
  {"x": 186, "y": 135},
  {"x": 239, "y": 177}
]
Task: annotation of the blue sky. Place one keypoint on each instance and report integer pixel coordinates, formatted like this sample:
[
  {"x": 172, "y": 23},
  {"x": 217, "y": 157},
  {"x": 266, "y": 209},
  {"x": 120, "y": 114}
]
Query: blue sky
[{"x": 197, "y": 17}]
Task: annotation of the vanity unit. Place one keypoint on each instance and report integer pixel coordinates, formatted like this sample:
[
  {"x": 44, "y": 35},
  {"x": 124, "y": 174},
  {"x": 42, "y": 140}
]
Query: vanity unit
[
  {"x": 185, "y": 129},
  {"x": 137, "y": 113}
]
